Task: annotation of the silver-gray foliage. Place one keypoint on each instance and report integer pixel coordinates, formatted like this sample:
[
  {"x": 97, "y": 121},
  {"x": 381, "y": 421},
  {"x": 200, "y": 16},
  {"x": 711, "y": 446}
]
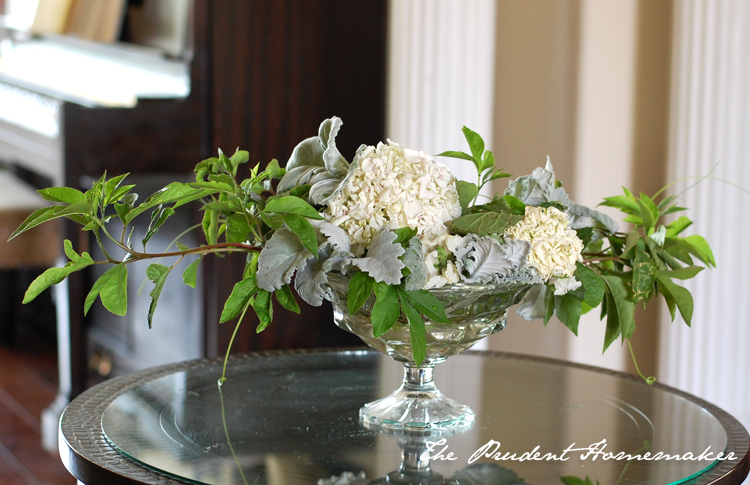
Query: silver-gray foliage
[
  {"x": 382, "y": 260},
  {"x": 538, "y": 188},
  {"x": 318, "y": 162},
  {"x": 485, "y": 260},
  {"x": 283, "y": 255},
  {"x": 534, "y": 305},
  {"x": 581, "y": 216},
  {"x": 311, "y": 282},
  {"x": 414, "y": 261}
]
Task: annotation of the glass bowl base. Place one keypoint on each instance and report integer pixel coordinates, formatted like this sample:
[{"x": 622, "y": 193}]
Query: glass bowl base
[{"x": 416, "y": 410}]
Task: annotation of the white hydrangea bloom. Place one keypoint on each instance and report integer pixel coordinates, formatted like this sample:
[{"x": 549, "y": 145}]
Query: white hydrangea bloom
[
  {"x": 397, "y": 187},
  {"x": 555, "y": 247}
]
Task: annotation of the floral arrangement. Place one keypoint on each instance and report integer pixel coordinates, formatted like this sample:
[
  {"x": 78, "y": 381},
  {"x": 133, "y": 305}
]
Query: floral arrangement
[{"x": 396, "y": 224}]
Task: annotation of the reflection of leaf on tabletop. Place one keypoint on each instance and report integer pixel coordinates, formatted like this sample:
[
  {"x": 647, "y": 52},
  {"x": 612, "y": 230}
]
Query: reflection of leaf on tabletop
[
  {"x": 577, "y": 481},
  {"x": 483, "y": 473}
]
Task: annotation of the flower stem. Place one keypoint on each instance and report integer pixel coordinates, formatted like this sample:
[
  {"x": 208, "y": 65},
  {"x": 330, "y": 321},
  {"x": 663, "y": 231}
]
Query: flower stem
[{"x": 231, "y": 341}]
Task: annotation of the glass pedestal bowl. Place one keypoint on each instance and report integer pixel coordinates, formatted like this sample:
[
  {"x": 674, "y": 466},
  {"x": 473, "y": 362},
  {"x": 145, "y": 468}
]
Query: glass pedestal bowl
[{"x": 475, "y": 311}]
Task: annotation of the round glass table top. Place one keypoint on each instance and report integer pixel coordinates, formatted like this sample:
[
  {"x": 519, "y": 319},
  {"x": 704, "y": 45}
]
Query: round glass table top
[{"x": 283, "y": 418}]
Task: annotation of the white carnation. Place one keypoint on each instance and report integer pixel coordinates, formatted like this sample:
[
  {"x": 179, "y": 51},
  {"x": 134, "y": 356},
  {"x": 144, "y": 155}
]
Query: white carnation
[
  {"x": 395, "y": 187},
  {"x": 555, "y": 247}
]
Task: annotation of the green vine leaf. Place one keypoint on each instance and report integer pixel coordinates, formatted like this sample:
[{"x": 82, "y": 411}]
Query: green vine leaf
[
  {"x": 386, "y": 310},
  {"x": 612, "y": 330},
  {"x": 52, "y": 276},
  {"x": 292, "y": 205},
  {"x": 174, "y": 193},
  {"x": 455, "y": 154},
  {"x": 158, "y": 218},
  {"x": 568, "y": 310},
  {"x": 45, "y": 214},
  {"x": 644, "y": 275},
  {"x": 285, "y": 297},
  {"x": 157, "y": 273},
  {"x": 304, "y": 231},
  {"x": 190, "y": 275},
  {"x": 112, "y": 289},
  {"x": 263, "y": 307},
  {"x": 241, "y": 294},
  {"x": 592, "y": 284},
  {"x": 417, "y": 333},
  {"x": 360, "y": 289},
  {"x": 484, "y": 223},
  {"x": 684, "y": 273},
  {"x": 476, "y": 145},
  {"x": 426, "y": 303},
  {"x": 681, "y": 296},
  {"x": 467, "y": 191},
  {"x": 624, "y": 307},
  {"x": 238, "y": 230},
  {"x": 676, "y": 227},
  {"x": 62, "y": 194}
]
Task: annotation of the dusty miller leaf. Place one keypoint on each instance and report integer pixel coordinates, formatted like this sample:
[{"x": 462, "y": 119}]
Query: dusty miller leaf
[
  {"x": 534, "y": 189},
  {"x": 414, "y": 262},
  {"x": 335, "y": 163},
  {"x": 321, "y": 192},
  {"x": 534, "y": 304},
  {"x": 581, "y": 216},
  {"x": 283, "y": 255},
  {"x": 311, "y": 281},
  {"x": 335, "y": 235},
  {"x": 659, "y": 235},
  {"x": 484, "y": 260},
  {"x": 382, "y": 261}
]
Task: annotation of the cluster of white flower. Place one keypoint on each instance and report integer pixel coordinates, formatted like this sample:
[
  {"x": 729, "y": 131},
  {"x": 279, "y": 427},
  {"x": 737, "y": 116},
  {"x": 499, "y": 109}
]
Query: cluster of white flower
[
  {"x": 395, "y": 187},
  {"x": 440, "y": 275},
  {"x": 555, "y": 247}
]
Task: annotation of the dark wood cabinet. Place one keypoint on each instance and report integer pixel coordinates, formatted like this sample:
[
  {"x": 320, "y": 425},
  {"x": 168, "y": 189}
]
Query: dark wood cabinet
[{"x": 279, "y": 68}]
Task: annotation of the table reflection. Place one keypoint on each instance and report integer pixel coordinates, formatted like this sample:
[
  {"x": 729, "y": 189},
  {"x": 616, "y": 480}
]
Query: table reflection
[{"x": 291, "y": 419}]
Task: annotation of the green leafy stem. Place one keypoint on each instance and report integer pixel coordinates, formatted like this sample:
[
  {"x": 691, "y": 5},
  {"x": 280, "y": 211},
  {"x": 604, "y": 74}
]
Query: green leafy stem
[
  {"x": 238, "y": 217},
  {"x": 619, "y": 270}
]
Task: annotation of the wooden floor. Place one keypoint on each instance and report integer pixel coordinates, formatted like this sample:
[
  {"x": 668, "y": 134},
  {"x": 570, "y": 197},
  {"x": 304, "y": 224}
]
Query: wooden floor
[{"x": 28, "y": 384}]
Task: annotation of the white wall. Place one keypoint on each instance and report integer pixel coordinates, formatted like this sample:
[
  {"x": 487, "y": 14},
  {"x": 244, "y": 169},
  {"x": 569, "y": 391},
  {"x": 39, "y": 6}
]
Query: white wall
[{"x": 710, "y": 123}]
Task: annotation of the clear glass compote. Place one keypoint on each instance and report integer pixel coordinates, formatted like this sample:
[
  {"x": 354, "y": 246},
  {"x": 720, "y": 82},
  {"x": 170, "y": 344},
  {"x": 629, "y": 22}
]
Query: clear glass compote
[{"x": 475, "y": 311}]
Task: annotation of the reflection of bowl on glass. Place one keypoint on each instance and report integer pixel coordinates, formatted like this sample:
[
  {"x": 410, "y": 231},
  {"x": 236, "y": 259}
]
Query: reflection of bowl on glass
[
  {"x": 475, "y": 311},
  {"x": 417, "y": 449}
]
